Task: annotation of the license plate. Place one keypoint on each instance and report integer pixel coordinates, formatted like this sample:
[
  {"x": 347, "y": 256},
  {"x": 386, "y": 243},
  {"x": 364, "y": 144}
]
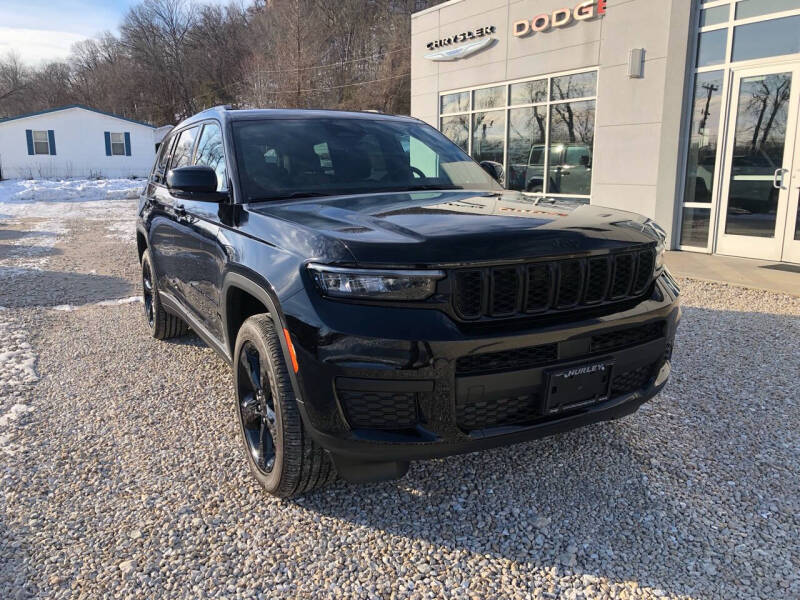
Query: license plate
[{"x": 578, "y": 386}]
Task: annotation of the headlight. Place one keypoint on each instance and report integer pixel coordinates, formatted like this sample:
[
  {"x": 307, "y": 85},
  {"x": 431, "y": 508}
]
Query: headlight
[{"x": 390, "y": 284}]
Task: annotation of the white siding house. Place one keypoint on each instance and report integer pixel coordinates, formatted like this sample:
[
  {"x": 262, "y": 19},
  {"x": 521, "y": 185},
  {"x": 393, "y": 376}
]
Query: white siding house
[{"x": 74, "y": 141}]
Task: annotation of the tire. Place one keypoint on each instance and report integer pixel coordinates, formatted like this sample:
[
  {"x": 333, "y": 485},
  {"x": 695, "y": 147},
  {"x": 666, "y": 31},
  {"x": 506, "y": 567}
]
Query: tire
[
  {"x": 289, "y": 463},
  {"x": 162, "y": 324}
]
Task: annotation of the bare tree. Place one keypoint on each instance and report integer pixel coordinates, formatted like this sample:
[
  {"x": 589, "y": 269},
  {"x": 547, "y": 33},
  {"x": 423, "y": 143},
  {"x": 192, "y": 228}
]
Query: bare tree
[
  {"x": 12, "y": 75},
  {"x": 156, "y": 33},
  {"x": 174, "y": 57}
]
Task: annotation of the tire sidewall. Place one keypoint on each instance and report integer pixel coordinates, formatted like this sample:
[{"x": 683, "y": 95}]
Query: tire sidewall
[{"x": 249, "y": 332}]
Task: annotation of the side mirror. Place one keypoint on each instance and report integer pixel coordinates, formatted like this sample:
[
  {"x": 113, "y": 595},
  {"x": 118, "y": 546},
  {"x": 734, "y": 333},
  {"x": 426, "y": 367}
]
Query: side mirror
[
  {"x": 494, "y": 169},
  {"x": 198, "y": 180}
]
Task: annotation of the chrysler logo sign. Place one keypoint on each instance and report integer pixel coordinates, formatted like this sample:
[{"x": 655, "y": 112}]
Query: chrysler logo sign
[{"x": 454, "y": 48}]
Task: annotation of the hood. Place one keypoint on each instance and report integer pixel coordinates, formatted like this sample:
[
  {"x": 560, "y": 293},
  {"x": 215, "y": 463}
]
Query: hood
[{"x": 455, "y": 227}]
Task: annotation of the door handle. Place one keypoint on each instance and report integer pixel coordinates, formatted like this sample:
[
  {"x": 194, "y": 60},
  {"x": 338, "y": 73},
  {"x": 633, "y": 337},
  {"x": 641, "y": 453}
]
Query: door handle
[{"x": 777, "y": 181}]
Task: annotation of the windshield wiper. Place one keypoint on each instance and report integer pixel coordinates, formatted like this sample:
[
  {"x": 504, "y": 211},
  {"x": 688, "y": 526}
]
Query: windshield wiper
[
  {"x": 291, "y": 196},
  {"x": 430, "y": 186},
  {"x": 376, "y": 190}
]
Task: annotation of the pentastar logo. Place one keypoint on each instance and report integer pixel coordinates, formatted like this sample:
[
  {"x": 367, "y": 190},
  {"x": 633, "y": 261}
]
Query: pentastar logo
[{"x": 560, "y": 18}]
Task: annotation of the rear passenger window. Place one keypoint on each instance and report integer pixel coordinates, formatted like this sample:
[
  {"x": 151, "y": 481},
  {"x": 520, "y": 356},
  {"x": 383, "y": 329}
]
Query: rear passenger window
[
  {"x": 182, "y": 155},
  {"x": 211, "y": 153}
]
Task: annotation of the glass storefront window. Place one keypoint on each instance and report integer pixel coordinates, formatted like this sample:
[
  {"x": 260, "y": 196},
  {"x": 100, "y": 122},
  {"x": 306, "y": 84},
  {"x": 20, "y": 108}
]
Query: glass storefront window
[
  {"x": 694, "y": 229},
  {"x": 488, "y": 136},
  {"x": 580, "y": 85},
  {"x": 489, "y": 98},
  {"x": 571, "y": 143},
  {"x": 756, "y": 8},
  {"x": 711, "y": 47},
  {"x": 767, "y": 38},
  {"x": 529, "y": 92},
  {"x": 514, "y": 126},
  {"x": 453, "y": 103},
  {"x": 526, "y": 144},
  {"x": 457, "y": 129},
  {"x": 714, "y": 16},
  {"x": 704, "y": 135}
]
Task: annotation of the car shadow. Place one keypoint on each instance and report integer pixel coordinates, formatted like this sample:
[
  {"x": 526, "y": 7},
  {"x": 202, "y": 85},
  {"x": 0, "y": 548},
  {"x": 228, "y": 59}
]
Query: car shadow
[
  {"x": 10, "y": 235},
  {"x": 25, "y": 287},
  {"x": 190, "y": 339},
  {"x": 654, "y": 498},
  {"x": 20, "y": 251}
]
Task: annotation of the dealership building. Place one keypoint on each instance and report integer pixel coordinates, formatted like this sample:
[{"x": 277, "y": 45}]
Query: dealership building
[{"x": 682, "y": 110}]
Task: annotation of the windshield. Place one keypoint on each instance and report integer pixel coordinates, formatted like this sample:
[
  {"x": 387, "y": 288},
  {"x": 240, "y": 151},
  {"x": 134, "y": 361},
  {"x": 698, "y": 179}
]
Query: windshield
[{"x": 295, "y": 158}]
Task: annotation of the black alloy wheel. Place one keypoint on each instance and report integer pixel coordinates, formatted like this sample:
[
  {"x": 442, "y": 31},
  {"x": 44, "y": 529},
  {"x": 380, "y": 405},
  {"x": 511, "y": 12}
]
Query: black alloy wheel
[
  {"x": 256, "y": 409},
  {"x": 147, "y": 289}
]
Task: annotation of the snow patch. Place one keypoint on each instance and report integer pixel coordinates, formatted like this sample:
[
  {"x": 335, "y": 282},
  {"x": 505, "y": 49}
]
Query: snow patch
[
  {"x": 14, "y": 413},
  {"x": 18, "y": 191},
  {"x": 130, "y": 300},
  {"x": 121, "y": 230},
  {"x": 59, "y": 199},
  {"x": 17, "y": 370},
  {"x": 17, "y": 359},
  {"x": 116, "y": 302}
]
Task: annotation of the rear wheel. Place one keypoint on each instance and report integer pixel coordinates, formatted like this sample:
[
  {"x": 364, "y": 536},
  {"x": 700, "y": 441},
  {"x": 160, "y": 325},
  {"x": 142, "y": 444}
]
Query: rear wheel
[
  {"x": 281, "y": 455},
  {"x": 162, "y": 324}
]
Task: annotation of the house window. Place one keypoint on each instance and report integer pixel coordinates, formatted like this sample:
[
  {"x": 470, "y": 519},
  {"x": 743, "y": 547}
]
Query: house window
[
  {"x": 41, "y": 142},
  {"x": 117, "y": 144}
]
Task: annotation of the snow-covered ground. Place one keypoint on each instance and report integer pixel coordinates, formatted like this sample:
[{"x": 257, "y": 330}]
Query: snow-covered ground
[
  {"x": 51, "y": 203},
  {"x": 17, "y": 370},
  {"x": 39, "y": 211},
  {"x": 38, "y": 197}
]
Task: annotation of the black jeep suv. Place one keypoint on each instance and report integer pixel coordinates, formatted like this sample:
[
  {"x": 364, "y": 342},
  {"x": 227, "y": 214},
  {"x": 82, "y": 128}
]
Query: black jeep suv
[{"x": 382, "y": 299}]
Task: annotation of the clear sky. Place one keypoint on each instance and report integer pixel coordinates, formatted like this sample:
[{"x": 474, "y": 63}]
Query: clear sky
[{"x": 40, "y": 30}]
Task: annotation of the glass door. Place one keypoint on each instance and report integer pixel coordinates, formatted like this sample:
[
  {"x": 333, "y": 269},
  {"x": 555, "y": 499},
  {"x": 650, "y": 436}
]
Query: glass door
[
  {"x": 758, "y": 162},
  {"x": 791, "y": 244}
]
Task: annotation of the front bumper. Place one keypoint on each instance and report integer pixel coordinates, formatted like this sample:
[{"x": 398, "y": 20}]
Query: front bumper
[{"x": 397, "y": 398}]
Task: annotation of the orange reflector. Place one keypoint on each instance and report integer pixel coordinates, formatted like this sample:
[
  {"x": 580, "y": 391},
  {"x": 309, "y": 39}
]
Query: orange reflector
[{"x": 292, "y": 354}]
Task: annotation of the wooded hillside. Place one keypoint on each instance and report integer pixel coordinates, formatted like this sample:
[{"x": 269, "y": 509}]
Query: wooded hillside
[{"x": 173, "y": 58}]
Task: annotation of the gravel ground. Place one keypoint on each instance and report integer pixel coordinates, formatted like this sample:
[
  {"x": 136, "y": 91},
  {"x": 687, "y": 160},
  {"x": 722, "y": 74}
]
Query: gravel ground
[{"x": 120, "y": 473}]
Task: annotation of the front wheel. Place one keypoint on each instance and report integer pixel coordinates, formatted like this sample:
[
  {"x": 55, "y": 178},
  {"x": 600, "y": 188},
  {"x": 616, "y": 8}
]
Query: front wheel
[{"x": 281, "y": 455}]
